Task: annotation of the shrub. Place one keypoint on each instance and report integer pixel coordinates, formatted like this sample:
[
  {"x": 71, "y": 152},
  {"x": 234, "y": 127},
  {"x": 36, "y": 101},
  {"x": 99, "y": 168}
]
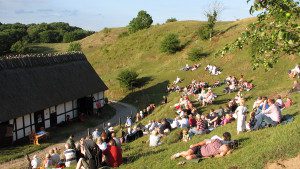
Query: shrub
[
  {"x": 204, "y": 32},
  {"x": 123, "y": 34},
  {"x": 20, "y": 47},
  {"x": 74, "y": 46},
  {"x": 128, "y": 79},
  {"x": 196, "y": 54},
  {"x": 106, "y": 30},
  {"x": 142, "y": 21},
  {"x": 170, "y": 43},
  {"x": 171, "y": 20}
]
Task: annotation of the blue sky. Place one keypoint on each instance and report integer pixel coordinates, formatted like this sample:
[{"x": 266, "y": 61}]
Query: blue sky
[{"x": 97, "y": 14}]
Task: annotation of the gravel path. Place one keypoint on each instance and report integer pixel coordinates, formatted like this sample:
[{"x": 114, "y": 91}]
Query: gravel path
[{"x": 122, "y": 111}]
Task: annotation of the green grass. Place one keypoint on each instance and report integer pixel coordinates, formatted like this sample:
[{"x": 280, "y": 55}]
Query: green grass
[
  {"x": 58, "y": 135},
  {"x": 109, "y": 54}
]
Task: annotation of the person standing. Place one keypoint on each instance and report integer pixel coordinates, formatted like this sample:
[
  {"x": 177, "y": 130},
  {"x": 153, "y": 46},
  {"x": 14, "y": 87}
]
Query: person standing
[{"x": 241, "y": 116}]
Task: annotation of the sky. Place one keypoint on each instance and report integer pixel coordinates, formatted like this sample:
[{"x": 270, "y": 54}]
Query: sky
[{"x": 98, "y": 14}]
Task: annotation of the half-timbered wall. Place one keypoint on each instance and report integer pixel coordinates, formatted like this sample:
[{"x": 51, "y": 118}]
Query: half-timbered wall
[{"x": 25, "y": 124}]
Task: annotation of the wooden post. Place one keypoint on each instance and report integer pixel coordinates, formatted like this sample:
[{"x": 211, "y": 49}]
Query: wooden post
[{"x": 88, "y": 131}]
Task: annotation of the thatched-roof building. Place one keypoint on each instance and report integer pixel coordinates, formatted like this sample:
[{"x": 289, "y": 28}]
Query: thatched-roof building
[{"x": 44, "y": 90}]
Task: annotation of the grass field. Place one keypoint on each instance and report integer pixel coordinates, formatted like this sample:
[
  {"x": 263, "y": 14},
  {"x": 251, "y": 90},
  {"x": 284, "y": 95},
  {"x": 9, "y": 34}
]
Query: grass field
[{"x": 110, "y": 54}]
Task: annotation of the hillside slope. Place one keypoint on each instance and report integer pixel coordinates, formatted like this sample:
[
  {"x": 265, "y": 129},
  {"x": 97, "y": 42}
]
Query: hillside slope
[{"x": 110, "y": 54}]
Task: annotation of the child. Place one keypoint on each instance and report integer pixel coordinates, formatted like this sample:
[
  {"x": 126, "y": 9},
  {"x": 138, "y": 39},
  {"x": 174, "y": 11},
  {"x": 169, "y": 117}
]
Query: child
[
  {"x": 241, "y": 118},
  {"x": 227, "y": 119},
  {"x": 252, "y": 121},
  {"x": 48, "y": 161},
  {"x": 185, "y": 135}
]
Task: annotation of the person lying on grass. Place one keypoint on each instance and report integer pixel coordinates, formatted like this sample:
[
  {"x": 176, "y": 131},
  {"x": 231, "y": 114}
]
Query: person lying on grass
[{"x": 205, "y": 149}]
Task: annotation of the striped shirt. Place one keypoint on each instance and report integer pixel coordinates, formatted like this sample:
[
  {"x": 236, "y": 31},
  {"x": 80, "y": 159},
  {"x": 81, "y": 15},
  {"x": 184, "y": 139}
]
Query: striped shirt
[{"x": 200, "y": 124}]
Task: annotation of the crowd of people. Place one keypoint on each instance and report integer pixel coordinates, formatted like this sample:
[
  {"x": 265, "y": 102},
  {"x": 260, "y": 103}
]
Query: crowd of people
[
  {"x": 104, "y": 148},
  {"x": 92, "y": 152},
  {"x": 234, "y": 85}
]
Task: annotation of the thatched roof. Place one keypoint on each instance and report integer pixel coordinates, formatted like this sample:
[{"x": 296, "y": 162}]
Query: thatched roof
[{"x": 30, "y": 83}]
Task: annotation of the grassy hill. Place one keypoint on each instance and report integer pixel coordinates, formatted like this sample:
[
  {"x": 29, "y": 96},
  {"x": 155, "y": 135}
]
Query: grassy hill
[{"x": 109, "y": 54}]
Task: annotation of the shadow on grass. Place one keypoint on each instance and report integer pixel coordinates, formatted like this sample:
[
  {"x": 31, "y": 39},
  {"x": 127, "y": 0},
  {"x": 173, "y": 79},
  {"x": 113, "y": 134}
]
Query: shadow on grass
[
  {"x": 152, "y": 95},
  {"x": 143, "y": 81},
  {"x": 218, "y": 102},
  {"x": 226, "y": 30},
  {"x": 132, "y": 158}
]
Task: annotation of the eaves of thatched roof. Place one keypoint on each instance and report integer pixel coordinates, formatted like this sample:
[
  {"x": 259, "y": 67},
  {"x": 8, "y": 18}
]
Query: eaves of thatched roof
[{"x": 29, "y": 83}]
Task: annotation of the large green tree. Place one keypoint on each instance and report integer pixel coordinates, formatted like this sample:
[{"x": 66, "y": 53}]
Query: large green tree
[
  {"x": 142, "y": 21},
  {"x": 275, "y": 32}
]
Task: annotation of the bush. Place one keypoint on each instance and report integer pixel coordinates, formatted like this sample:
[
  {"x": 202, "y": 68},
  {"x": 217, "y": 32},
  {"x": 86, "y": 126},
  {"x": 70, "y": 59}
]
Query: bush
[
  {"x": 171, "y": 20},
  {"x": 196, "y": 54},
  {"x": 20, "y": 47},
  {"x": 204, "y": 32},
  {"x": 170, "y": 44},
  {"x": 106, "y": 30},
  {"x": 142, "y": 21},
  {"x": 74, "y": 46},
  {"x": 128, "y": 79},
  {"x": 123, "y": 34}
]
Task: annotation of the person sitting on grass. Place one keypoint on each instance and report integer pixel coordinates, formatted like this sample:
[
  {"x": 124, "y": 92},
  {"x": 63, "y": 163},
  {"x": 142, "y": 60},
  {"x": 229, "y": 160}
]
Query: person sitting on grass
[
  {"x": 205, "y": 149},
  {"x": 201, "y": 126},
  {"x": 185, "y": 135},
  {"x": 48, "y": 163},
  {"x": 154, "y": 139},
  {"x": 213, "y": 118},
  {"x": 288, "y": 103},
  {"x": 252, "y": 121},
  {"x": 271, "y": 116}
]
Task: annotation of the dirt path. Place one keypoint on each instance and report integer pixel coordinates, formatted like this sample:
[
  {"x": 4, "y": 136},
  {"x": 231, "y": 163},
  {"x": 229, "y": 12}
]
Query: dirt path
[
  {"x": 122, "y": 111},
  {"x": 293, "y": 163}
]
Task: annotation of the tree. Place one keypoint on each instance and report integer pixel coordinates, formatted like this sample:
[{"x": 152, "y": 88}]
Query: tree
[
  {"x": 275, "y": 32},
  {"x": 74, "y": 46},
  {"x": 50, "y": 36},
  {"x": 142, "y": 21},
  {"x": 20, "y": 47},
  {"x": 212, "y": 15},
  {"x": 171, "y": 20},
  {"x": 128, "y": 79},
  {"x": 170, "y": 44}
]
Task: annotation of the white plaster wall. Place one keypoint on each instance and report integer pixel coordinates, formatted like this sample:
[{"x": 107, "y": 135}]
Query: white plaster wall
[
  {"x": 69, "y": 106},
  {"x": 52, "y": 109},
  {"x": 60, "y": 109},
  {"x": 32, "y": 118},
  {"x": 19, "y": 121},
  {"x": 20, "y": 134},
  {"x": 60, "y": 118},
  {"x": 101, "y": 95},
  {"x": 46, "y": 114},
  {"x": 47, "y": 123},
  {"x": 27, "y": 131},
  {"x": 27, "y": 119}
]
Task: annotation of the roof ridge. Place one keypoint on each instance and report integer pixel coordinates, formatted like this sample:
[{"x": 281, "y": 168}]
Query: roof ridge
[{"x": 34, "y": 60}]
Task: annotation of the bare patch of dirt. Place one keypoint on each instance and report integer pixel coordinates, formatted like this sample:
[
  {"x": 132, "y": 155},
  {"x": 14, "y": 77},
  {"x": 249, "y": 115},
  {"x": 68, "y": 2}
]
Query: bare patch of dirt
[{"x": 293, "y": 163}]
